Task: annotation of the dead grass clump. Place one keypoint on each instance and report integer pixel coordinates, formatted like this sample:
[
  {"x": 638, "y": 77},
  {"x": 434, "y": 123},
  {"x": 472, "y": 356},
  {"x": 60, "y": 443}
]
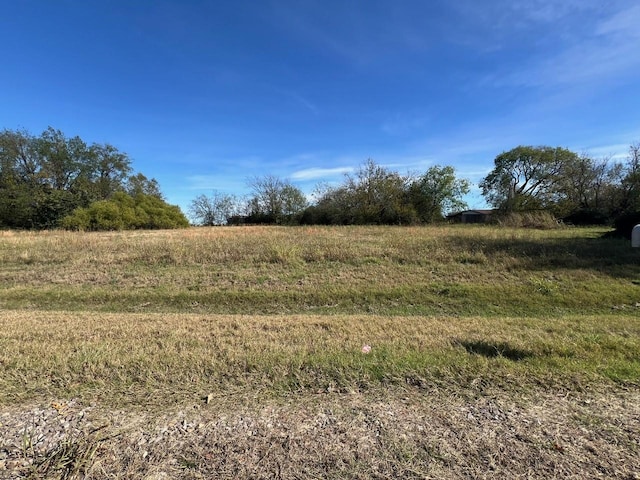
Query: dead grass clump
[
  {"x": 70, "y": 459},
  {"x": 390, "y": 433},
  {"x": 537, "y": 220}
]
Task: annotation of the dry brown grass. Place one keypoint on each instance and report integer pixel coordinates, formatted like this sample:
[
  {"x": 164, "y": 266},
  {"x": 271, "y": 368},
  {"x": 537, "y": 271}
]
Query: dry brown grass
[
  {"x": 459, "y": 270},
  {"x": 395, "y": 433},
  {"x": 126, "y": 359},
  {"x": 496, "y": 353}
]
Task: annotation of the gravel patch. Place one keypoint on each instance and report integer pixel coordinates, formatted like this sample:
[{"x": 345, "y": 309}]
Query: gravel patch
[{"x": 406, "y": 434}]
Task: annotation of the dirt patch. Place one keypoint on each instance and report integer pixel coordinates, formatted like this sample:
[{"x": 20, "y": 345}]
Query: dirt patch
[{"x": 400, "y": 434}]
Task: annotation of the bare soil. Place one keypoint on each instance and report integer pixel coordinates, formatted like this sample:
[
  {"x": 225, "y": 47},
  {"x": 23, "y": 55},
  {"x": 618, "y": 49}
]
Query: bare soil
[{"x": 399, "y": 433}]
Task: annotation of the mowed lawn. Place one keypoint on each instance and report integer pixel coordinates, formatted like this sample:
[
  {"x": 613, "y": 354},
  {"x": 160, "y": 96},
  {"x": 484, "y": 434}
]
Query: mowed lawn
[{"x": 487, "y": 352}]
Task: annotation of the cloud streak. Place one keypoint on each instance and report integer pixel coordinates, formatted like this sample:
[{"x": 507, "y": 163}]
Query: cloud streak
[
  {"x": 319, "y": 173},
  {"x": 609, "y": 50},
  {"x": 223, "y": 183}
]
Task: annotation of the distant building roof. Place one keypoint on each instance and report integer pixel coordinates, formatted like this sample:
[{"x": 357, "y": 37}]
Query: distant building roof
[
  {"x": 472, "y": 216},
  {"x": 472, "y": 212}
]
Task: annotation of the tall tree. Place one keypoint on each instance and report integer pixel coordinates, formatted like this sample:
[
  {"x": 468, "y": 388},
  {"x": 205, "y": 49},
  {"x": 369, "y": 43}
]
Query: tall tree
[
  {"x": 61, "y": 159},
  {"x": 437, "y": 193},
  {"x": 20, "y": 179},
  {"x": 630, "y": 184},
  {"x": 139, "y": 184},
  {"x": 110, "y": 169},
  {"x": 525, "y": 178},
  {"x": 43, "y": 178},
  {"x": 19, "y": 158},
  {"x": 375, "y": 194},
  {"x": 215, "y": 209},
  {"x": 585, "y": 189},
  {"x": 274, "y": 200}
]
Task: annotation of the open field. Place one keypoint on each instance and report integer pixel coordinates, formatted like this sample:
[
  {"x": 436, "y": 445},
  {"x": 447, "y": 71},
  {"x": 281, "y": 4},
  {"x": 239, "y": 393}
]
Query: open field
[
  {"x": 456, "y": 270},
  {"x": 237, "y": 352}
]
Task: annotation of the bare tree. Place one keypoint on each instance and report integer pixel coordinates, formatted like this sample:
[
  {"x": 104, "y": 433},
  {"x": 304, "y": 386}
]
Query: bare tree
[
  {"x": 274, "y": 200},
  {"x": 215, "y": 209}
]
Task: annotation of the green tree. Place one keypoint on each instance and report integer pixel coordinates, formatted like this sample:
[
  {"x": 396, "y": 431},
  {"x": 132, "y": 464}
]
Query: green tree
[
  {"x": 61, "y": 160},
  {"x": 154, "y": 213},
  {"x": 108, "y": 170},
  {"x": 19, "y": 179},
  {"x": 124, "y": 212},
  {"x": 332, "y": 207},
  {"x": 371, "y": 195},
  {"x": 377, "y": 194},
  {"x": 526, "y": 178},
  {"x": 628, "y": 193},
  {"x": 44, "y": 178},
  {"x": 630, "y": 183},
  {"x": 19, "y": 158},
  {"x": 139, "y": 184},
  {"x": 587, "y": 191},
  {"x": 437, "y": 193}
]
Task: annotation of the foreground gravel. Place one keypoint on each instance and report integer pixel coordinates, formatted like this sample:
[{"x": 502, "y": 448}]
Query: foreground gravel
[{"x": 400, "y": 434}]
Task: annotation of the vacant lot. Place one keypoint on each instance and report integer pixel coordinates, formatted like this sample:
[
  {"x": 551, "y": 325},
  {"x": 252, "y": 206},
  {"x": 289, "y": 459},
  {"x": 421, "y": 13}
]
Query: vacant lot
[{"x": 238, "y": 352}]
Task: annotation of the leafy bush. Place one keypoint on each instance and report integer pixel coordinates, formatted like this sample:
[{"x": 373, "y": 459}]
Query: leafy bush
[{"x": 124, "y": 212}]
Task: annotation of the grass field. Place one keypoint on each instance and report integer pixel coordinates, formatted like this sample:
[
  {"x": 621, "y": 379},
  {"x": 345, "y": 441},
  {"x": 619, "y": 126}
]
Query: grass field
[{"x": 237, "y": 352}]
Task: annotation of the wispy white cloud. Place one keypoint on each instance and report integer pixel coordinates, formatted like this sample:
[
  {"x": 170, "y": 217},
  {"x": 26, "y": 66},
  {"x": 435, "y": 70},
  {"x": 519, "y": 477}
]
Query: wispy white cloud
[
  {"x": 607, "y": 51},
  {"x": 320, "y": 173},
  {"x": 406, "y": 163},
  {"x": 623, "y": 22},
  {"x": 207, "y": 183},
  {"x": 398, "y": 162},
  {"x": 298, "y": 99},
  {"x": 501, "y": 19},
  {"x": 305, "y": 102},
  {"x": 612, "y": 152},
  {"x": 544, "y": 11},
  {"x": 356, "y": 33}
]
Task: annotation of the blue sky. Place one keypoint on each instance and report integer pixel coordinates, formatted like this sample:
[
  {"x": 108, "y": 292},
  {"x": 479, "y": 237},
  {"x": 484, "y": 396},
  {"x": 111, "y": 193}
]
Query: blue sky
[{"x": 204, "y": 95}]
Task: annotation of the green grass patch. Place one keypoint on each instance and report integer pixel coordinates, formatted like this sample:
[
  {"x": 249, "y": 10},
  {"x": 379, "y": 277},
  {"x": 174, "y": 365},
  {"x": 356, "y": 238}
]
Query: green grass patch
[
  {"x": 173, "y": 358},
  {"x": 454, "y": 270}
]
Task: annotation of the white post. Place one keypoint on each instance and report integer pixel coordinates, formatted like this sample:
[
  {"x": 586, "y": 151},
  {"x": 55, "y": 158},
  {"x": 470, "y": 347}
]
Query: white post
[{"x": 635, "y": 237}]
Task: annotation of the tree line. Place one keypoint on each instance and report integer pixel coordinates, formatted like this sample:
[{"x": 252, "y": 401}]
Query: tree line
[
  {"x": 372, "y": 194},
  {"x": 52, "y": 181},
  {"x": 577, "y": 189}
]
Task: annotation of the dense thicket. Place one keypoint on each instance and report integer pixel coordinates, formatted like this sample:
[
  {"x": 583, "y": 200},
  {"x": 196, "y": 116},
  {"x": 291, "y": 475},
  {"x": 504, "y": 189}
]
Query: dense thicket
[
  {"x": 576, "y": 188},
  {"x": 377, "y": 195},
  {"x": 372, "y": 195},
  {"x": 126, "y": 212},
  {"x": 45, "y": 178},
  {"x": 274, "y": 201},
  {"x": 526, "y": 182},
  {"x": 52, "y": 181}
]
